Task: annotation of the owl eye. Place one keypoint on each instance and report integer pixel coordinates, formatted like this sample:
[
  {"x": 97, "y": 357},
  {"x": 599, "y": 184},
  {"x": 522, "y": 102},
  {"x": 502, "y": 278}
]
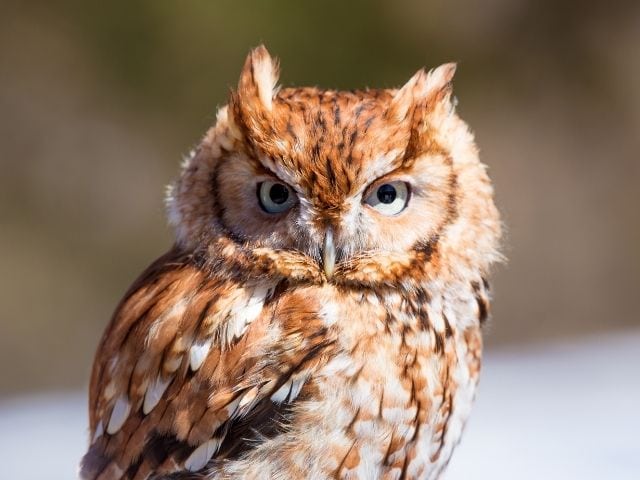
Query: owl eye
[
  {"x": 389, "y": 198},
  {"x": 275, "y": 197}
]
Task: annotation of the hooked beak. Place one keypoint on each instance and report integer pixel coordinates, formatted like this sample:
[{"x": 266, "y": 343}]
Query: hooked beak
[{"x": 328, "y": 253}]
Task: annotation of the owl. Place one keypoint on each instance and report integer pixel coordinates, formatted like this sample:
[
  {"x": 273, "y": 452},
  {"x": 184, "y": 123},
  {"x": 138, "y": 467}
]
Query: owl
[{"x": 319, "y": 315}]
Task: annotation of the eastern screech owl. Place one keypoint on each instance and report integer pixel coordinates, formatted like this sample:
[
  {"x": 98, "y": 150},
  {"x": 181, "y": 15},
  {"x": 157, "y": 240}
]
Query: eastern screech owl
[{"x": 320, "y": 313}]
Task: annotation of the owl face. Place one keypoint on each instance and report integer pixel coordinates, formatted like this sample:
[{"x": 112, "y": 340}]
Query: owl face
[{"x": 333, "y": 183}]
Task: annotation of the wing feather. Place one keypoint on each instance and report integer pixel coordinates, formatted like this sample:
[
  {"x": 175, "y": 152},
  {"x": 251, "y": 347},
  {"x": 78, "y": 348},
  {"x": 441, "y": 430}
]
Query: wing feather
[{"x": 188, "y": 366}]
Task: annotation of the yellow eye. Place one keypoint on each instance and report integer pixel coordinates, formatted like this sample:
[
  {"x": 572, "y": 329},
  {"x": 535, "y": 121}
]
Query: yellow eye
[
  {"x": 389, "y": 198},
  {"x": 275, "y": 197}
]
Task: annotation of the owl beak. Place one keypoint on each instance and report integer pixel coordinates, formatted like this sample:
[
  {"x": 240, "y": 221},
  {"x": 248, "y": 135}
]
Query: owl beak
[{"x": 328, "y": 253}]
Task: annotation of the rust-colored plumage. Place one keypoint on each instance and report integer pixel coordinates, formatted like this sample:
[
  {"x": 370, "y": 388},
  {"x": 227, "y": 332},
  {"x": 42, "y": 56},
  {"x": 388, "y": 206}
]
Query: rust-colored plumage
[{"x": 319, "y": 315}]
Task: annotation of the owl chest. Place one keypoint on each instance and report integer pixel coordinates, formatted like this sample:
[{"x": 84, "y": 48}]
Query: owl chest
[{"x": 403, "y": 388}]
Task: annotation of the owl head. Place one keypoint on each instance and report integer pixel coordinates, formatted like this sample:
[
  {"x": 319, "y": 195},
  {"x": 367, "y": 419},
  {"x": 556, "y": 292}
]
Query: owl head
[{"x": 371, "y": 187}]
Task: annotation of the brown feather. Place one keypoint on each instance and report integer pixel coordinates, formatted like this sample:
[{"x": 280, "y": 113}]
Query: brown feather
[{"x": 240, "y": 354}]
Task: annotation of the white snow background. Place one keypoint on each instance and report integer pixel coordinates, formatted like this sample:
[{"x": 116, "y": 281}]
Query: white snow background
[{"x": 560, "y": 412}]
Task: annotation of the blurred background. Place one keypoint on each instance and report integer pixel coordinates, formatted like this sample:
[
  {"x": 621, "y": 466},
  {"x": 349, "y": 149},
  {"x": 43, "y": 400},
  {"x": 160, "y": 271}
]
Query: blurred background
[{"x": 99, "y": 102}]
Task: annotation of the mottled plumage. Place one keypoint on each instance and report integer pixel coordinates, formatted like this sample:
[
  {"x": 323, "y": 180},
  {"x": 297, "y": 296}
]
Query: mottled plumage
[{"x": 320, "y": 313}]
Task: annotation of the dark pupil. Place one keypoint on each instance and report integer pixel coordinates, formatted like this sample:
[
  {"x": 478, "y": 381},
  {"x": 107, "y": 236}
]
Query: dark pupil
[
  {"x": 387, "y": 193},
  {"x": 278, "y": 193}
]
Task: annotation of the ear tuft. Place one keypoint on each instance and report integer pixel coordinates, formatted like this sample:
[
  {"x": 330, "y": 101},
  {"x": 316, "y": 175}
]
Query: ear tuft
[
  {"x": 423, "y": 87},
  {"x": 404, "y": 98},
  {"x": 259, "y": 78},
  {"x": 439, "y": 80}
]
